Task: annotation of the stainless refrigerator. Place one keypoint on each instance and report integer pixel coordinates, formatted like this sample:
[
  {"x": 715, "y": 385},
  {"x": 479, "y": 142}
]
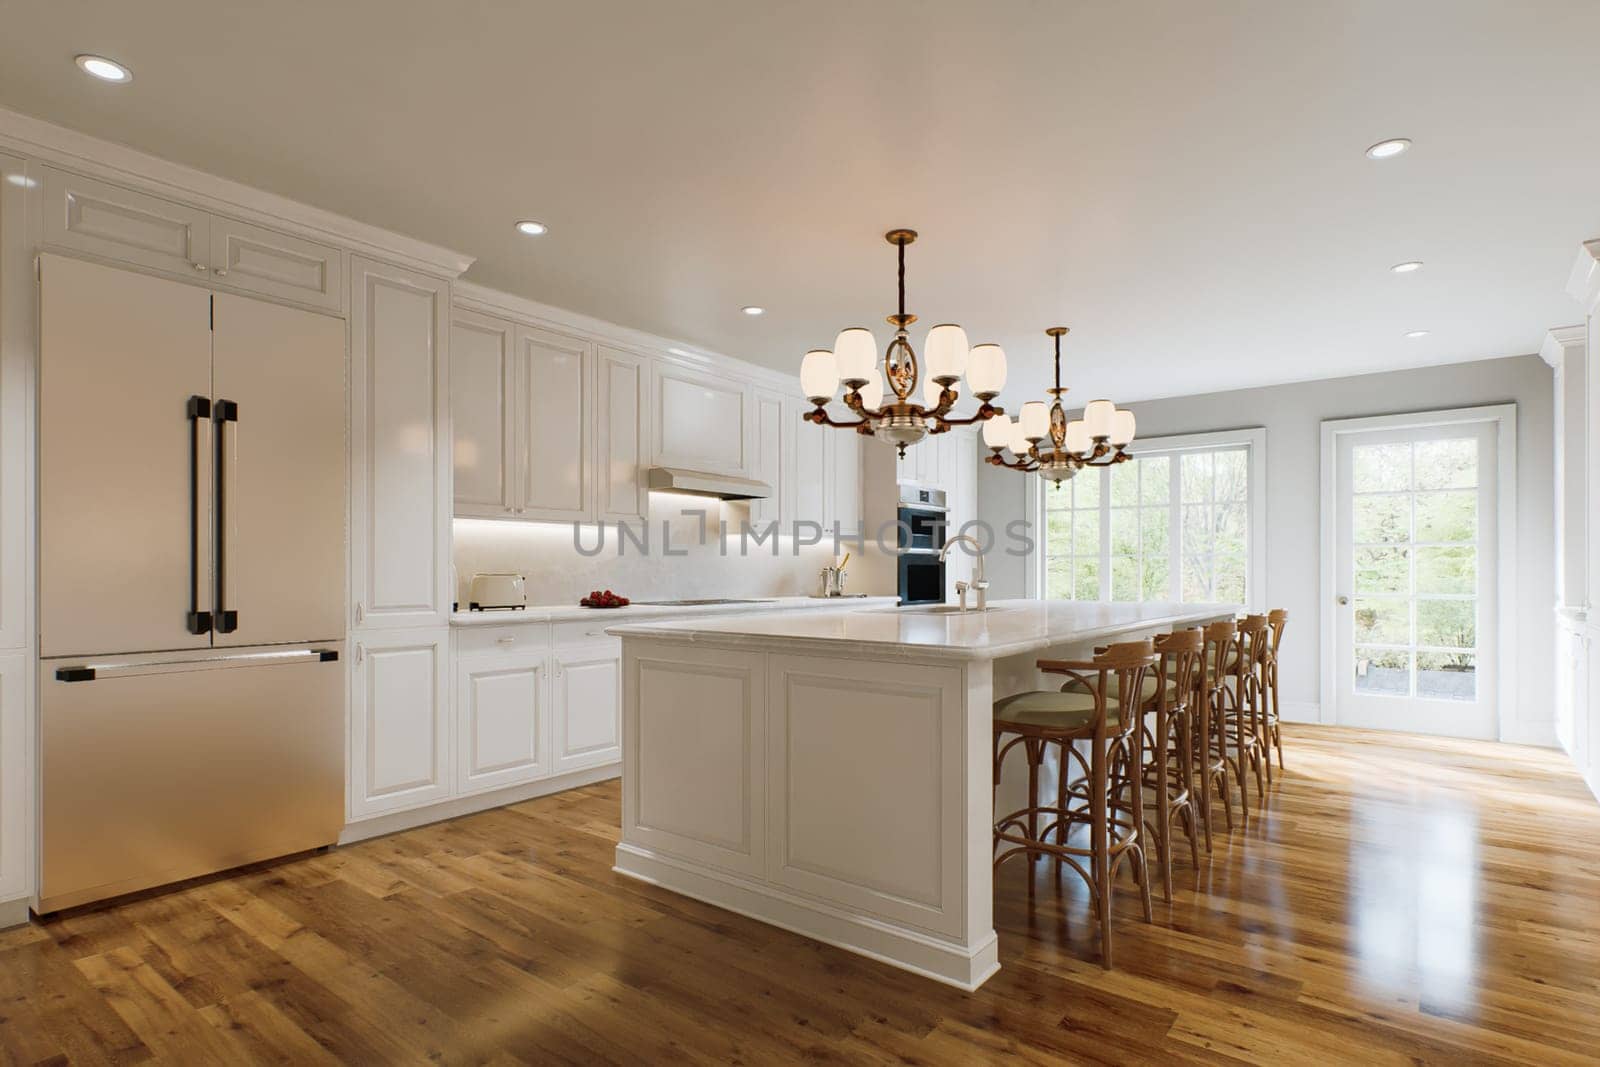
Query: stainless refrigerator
[{"x": 191, "y": 580}]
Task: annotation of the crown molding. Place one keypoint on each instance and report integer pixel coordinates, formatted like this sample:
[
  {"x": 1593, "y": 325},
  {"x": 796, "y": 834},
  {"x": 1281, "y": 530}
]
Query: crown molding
[
  {"x": 91, "y": 156},
  {"x": 471, "y": 296},
  {"x": 1584, "y": 283},
  {"x": 1562, "y": 341}
]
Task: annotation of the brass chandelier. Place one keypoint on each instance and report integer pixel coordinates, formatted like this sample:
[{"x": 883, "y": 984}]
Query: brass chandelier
[
  {"x": 903, "y": 421},
  {"x": 1042, "y": 441}
]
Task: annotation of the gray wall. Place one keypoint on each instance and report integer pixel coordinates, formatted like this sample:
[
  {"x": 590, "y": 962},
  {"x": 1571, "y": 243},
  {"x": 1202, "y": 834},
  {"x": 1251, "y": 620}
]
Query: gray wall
[{"x": 1292, "y": 415}]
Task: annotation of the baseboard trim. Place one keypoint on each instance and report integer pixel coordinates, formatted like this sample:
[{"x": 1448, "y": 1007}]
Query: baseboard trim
[
  {"x": 13, "y": 913},
  {"x": 942, "y": 961},
  {"x": 1542, "y": 734},
  {"x": 412, "y": 818},
  {"x": 1301, "y": 711}
]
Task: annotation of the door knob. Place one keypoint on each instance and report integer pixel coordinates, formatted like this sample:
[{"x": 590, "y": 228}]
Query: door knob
[{"x": 1343, "y": 600}]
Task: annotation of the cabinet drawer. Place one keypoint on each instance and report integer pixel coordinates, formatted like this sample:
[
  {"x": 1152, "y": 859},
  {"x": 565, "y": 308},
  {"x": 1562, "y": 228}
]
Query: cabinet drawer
[
  {"x": 584, "y": 632},
  {"x": 512, "y": 637},
  {"x": 108, "y": 220},
  {"x": 275, "y": 264}
]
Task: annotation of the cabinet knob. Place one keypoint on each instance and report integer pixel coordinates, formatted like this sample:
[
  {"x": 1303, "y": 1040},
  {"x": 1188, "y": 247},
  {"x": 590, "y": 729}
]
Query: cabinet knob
[
  {"x": 198, "y": 266},
  {"x": 505, "y": 640},
  {"x": 220, "y": 272}
]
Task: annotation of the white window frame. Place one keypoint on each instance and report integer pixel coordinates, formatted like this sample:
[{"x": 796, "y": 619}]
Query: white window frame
[
  {"x": 1253, "y": 439},
  {"x": 1504, "y": 416}
]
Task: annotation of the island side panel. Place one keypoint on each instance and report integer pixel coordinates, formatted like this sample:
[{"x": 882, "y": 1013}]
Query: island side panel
[{"x": 694, "y": 754}]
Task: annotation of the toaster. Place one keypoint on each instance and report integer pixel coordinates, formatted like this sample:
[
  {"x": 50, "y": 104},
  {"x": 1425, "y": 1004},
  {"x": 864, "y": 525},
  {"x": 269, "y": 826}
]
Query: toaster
[{"x": 497, "y": 592}]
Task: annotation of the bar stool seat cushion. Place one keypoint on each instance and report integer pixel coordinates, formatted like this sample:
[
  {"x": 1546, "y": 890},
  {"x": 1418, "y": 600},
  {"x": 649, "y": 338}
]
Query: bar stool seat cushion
[{"x": 1071, "y": 710}]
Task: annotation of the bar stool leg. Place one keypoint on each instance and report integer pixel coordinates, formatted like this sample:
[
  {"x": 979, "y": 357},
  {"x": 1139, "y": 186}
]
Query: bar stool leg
[{"x": 1163, "y": 806}]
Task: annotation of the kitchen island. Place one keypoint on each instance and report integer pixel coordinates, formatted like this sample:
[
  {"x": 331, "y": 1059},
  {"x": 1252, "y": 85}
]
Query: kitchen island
[{"x": 830, "y": 772}]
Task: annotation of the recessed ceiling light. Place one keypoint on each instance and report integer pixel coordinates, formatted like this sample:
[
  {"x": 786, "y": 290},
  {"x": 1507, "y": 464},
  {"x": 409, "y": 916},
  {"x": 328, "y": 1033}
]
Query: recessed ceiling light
[
  {"x": 104, "y": 69},
  {"x": 1394, "y": 146},
  {"x": 531, "y": 228},
  {"x": 751, "y": 309},
  {"x": 1414, "y": 334},
  {"x": 1407, "y": 267}
]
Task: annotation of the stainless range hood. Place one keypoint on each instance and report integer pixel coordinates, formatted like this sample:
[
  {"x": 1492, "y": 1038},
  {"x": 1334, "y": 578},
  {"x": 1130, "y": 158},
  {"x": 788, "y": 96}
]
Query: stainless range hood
[{"x": 703, "y": 483}]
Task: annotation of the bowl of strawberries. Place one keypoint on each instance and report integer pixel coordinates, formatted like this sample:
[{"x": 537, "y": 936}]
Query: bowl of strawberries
[{"x": 603, "y": 598}]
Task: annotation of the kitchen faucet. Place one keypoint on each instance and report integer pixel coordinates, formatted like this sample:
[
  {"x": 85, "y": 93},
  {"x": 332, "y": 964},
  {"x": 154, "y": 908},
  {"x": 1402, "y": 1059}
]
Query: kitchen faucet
[{"x": 979, "y": 582}]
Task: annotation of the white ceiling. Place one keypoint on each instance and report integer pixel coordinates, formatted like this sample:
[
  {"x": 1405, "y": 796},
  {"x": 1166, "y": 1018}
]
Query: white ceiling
[{"x": 1182, "y": 183}]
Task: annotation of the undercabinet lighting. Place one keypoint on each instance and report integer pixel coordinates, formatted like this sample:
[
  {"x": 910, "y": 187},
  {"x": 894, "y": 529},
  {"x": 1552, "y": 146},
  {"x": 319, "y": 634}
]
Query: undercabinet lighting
[
  {"x": 1407, "y": 267},
  {"x": 530, "y": 228},
  {"x": 21, "y": 180},
  {"x": 1394, "y": 146},
  {"x": 1414, "y": 334},
  {"x": 105, "y": 69},
  {"x": 681, "y": 352},
  {"x": 751, "y": 309}
]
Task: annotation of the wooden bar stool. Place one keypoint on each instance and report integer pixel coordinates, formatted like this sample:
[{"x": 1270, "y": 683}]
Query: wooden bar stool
[
  {"x": 1101, "y": 712},
  {"x": 1211, "y": 742},
  {"x": 1168, "y": 761},
  {"x": 1272, "y": 737},
  {"x": 1242, "y": 712}
]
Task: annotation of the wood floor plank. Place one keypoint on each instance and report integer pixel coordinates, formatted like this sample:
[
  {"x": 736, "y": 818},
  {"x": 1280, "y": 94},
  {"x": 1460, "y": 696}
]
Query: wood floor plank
[{"x": 1396, "y": 899}]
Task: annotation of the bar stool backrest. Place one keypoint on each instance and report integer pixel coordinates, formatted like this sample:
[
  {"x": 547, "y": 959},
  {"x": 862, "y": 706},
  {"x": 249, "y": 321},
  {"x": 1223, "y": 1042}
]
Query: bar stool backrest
[
  {"x": 1277, "y": 618},
  {"x": 1182, "y": 662}
]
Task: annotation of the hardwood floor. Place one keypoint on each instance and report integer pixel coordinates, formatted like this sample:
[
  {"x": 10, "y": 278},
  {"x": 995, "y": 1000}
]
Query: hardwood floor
[{"x": 1402, "y": 900}]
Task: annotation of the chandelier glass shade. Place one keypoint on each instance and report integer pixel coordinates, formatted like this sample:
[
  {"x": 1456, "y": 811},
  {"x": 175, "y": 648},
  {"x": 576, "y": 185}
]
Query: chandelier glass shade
[
  {"x": 1043, "y": 441},
  {"x": 910, "y": 413}
]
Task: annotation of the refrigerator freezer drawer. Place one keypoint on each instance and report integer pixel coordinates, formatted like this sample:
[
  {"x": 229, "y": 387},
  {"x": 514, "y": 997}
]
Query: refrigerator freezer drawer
[{"x": 167, "y": 766}]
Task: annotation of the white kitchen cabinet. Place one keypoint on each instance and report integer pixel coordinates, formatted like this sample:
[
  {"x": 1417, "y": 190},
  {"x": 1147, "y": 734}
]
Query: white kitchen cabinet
[
  {"x": 399, "y": 447},
  {"x": 18, "y": 299},
  {"x": 555, "y": 426},
  {"x": 813, "y": 467},
  {"x": 399, "y": 720},
  {"x": 481, "y": 415},
  {"x": 502, "y": 721},
  {"x": 16, "y": 827},
  {"x": 268, "y": 263},
  {"x": 622, "y": 435},
  {"x": 845, "y": 490},
  {"x": 701, "y": 420},
  {"x": 587, "y": 703},
  {"x": 772, "y": 459},
  {"x": 107, "y": 220}
]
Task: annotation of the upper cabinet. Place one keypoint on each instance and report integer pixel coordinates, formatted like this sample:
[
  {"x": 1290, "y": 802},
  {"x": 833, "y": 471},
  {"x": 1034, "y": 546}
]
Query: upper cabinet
[
  {"x": 481, "y": 419},
  {"x": 774, "y": 448},
  {"x": 622, "y": 435},
  {"x": 555, "y": 426},
  {"x": 399, "y": 447},
  {"x": 845, "y": 502},
  {"x": 813, "y": 467},
  {"x": 111, "y": 222},
  {"x": 702, "y": 420}
]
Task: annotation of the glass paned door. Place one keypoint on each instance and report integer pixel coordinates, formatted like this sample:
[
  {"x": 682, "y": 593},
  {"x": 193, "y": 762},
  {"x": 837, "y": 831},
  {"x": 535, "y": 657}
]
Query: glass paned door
[{"x": 1416, "y": 579}]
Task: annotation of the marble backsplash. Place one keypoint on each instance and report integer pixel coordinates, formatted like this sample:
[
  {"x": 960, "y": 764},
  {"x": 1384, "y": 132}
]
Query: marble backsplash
[{"x": 558, "y": 573}]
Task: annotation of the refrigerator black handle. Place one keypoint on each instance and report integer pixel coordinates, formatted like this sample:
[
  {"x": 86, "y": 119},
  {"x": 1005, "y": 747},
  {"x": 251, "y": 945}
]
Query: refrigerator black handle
[
  {"x": 223, "y": 412},
  {"x": 199, "y": 622}
]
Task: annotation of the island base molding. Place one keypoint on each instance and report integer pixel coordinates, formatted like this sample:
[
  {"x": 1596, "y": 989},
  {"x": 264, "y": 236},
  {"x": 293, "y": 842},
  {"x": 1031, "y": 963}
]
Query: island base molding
[{"x": 965, "y": 967}]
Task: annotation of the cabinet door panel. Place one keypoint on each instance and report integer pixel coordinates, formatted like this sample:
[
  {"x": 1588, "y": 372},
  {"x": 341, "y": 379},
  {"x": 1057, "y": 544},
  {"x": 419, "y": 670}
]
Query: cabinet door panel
[
  {"x": 555, "y": 376},
  {"x": 108, "y": 220},
  {"x": 773, "y": 460},
  {"x": 501, "y": 724},
  {"x": 399, "y": 451},
  {"x": 481, "y": 415},
  {"x": 259, "y": 260},
  {"x": 16, "y": 398},
  {"x": 846, "y": 487},
  {"x": 701, "y": 422},
  {"x": 16, "y": 825},
  {"x": 400, "y": 722},
  {"x": 588, "y": 729},
  {"x": 813, "y": 461},
  {"x": 623, "y": 436}
]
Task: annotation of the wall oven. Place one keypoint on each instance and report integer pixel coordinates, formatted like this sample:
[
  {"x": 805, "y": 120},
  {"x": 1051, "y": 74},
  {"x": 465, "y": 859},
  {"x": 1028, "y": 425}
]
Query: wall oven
[{"x": 922, "y": 515}]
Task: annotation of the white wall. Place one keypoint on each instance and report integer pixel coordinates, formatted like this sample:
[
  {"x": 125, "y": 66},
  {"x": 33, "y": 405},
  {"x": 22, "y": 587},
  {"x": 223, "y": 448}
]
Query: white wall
[
  {"x": 559, "y": 574},
  {"x": 1292, "y": 415}
]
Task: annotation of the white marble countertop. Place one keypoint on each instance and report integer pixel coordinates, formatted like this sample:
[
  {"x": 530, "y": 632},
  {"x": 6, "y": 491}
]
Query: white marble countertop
[
  {"x": 1008, "y": 628},
  {"x": 572, "y": 612}
]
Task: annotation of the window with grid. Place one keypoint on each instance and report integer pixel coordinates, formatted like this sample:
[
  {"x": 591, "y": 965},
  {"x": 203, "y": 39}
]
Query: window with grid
[{"x": 1171, "y": 524}]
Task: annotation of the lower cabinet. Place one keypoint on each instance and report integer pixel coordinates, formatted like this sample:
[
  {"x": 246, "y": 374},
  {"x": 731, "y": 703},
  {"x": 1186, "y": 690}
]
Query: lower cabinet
[
  {"x": 437, "y": 715},
  {"x": 399, "y": 720},
  {"x": 588, "y": 704},
  {"x": 502, "y": 719},
  {"x": 16, "y": 878}
]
